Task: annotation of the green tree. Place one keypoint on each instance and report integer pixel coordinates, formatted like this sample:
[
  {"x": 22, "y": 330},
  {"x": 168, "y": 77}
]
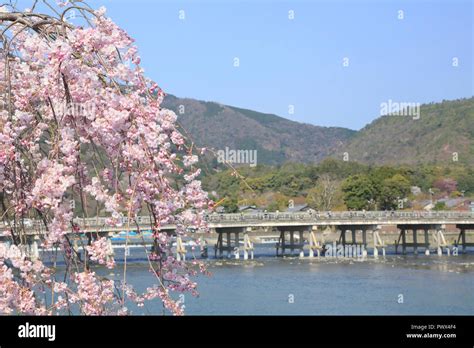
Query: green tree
[
  {"x": 392, "y": 189},
  {"x": 230, "y": 204},
  {"x": 466, "y": 182},
  {"x": 358, "y": 191}
]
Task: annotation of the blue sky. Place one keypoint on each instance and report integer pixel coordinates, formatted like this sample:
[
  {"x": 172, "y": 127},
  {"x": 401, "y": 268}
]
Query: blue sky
[{"x": 300, "y": 62}]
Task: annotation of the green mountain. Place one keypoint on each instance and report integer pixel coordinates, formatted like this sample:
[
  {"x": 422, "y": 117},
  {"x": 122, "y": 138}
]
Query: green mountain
[
  {"x": 443, "y": 133},
  {"x": 276, "y": 139}
]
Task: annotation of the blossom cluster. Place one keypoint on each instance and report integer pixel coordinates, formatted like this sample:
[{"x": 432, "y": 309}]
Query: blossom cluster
[
  {"x": 123, "y": 155},
  {"x": 101, "y": 251}
]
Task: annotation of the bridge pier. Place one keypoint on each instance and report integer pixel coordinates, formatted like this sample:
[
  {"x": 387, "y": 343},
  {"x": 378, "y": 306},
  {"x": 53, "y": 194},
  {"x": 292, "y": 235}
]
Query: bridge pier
[
  {"x": 228, "y": 244},
  {"x": 110, "y": 250},
  {"x": 377, "y": 242},
  {"x": 463, "y": 240},
  {"x": 237, "y": 247},
  {"x": 32, "y": 250},
  {"x": 354, "y": 229},
  {"x": 440, "y": 242},
  {"x": 313, "y": 243},
  {"x": 29, "y": 247},
  {"x": 248, "y": 245},
  {"x": 462, "y": 236},
  {"x": 180, "y": 249},
  {"x": 404, "y": 241},
  {"x": 415, "y": 244},
  {"x": 293, "y": 245},
  {"x": 363, "y": 228},
  {"x": 427, "y": 242}
]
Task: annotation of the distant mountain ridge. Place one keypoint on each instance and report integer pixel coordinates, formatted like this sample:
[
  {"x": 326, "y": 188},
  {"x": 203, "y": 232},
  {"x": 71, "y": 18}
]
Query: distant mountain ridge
[
  {"x": 276, "y": 139},
  {"x": 442, "y": 131}
]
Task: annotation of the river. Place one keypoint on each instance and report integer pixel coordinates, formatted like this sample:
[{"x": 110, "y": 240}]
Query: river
[{"x": 267, "y": 285}]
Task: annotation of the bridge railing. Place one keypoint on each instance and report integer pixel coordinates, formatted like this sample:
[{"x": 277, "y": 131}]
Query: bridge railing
[
  {"x": 347, "y": 215},
  {"x": 397, "y": 216},
  {"x": 103, "y": 221}
]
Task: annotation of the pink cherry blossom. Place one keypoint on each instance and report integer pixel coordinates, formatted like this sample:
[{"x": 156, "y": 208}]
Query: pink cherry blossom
[
  {"x": 83, "y": 133},
  {"x": 100, "y": 251}
]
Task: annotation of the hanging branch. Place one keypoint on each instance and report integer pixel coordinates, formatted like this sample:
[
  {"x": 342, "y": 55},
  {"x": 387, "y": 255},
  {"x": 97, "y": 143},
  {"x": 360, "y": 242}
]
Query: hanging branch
[{"x": 71, "y": 132}]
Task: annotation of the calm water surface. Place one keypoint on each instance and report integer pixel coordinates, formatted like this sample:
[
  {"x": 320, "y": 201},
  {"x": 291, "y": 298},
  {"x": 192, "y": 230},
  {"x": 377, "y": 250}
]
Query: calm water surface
[{"x": 292, "y": 286}]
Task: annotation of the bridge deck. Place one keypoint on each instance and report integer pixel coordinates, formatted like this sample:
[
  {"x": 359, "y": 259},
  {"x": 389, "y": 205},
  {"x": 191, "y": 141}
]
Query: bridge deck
[{"x": 370, "y": 218}]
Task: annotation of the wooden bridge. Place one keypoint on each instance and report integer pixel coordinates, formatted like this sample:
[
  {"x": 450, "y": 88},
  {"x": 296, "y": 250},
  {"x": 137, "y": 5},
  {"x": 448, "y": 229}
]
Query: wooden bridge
[{"x": 297, "y": 230}]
